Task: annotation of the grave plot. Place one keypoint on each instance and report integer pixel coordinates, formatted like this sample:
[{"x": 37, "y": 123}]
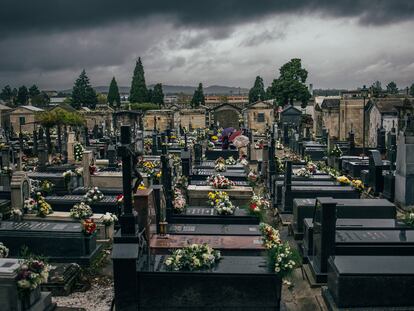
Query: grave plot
[
  {"x": 198, "y": 195},
  {"x": 60, "y": 242},
  {"x": 346, "y": 208},
  {"x": 202, "y": 174},
  {"x": 65, "y": 203}
]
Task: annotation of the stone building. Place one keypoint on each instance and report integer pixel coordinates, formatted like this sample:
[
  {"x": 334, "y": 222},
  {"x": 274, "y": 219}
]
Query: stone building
[
  {"x": 23, "y": 118},
  {"x": 330, "y": 116},
  {"x": 291, "y": 115},
  {"x": 258, "y": 115},
  {"x": 162, "y": 119},
  {"x": 101, "y": 116},
  {"x": 193, "y": 118},
  {"x": 5, "y": 117},
  {"x": 351, "y": 117},
  {"x": 226, "y": 115}
]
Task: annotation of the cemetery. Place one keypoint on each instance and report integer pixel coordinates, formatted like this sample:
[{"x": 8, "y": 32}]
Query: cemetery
[{"x": 179, "y": 221}]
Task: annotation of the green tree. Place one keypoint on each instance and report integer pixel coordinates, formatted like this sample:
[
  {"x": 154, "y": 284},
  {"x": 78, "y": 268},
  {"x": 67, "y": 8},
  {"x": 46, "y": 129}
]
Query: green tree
[
  {"x": 114, "y": 99},
  {"x": 198, "y": 97},
  {"x": 257, "y": 92},
  {"x": 22, "y": 95},
  {"x": 157, "y": 94},
  {"x": 6, "y": 94},
  {"x": 392, "y": 88},
  {"x": 34, "y": 91},
  {"x": 139, "y": 92},
  {"x": 83, "y": 93},
  {"x": 290, "y": 85},
  {"x": 376, "y": 89},
  {"x": 102, "y": 99},
  {"x": 412, "y": 89},
  {"x": 40, "y": 100}
]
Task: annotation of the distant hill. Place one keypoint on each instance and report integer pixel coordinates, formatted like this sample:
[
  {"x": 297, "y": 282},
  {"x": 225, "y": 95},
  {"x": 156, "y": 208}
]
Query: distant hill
[{"x": 176, "y": 89}]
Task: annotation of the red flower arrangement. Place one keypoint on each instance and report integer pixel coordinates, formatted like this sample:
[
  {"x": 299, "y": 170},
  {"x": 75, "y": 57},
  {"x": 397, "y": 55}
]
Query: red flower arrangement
[
  {"x": 92, "y": 169},
  {"x": 89, "y": 226}
]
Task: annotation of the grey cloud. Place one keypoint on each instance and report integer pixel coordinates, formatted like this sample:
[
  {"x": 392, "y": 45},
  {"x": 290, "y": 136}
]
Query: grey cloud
[{"x": 49, "y": 15}]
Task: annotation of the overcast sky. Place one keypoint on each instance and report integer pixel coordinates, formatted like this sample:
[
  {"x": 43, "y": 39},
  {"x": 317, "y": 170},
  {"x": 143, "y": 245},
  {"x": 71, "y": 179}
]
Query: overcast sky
[{"x": 342, "y": 44}]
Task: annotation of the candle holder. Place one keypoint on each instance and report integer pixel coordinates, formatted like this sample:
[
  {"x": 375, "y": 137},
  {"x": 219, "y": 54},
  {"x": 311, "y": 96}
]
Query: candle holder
[{"x": 163, "y": 228}]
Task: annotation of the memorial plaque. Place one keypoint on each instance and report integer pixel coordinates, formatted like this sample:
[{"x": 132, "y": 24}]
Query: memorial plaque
[
  {"x": 214, "y": 229},
  {"x": 228, "y": 245}
]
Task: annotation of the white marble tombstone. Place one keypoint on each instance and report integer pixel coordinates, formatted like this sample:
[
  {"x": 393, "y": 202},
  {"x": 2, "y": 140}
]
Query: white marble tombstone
[
  {"x": 70, "y": 144},
  {"x": 20, "y": 189}
]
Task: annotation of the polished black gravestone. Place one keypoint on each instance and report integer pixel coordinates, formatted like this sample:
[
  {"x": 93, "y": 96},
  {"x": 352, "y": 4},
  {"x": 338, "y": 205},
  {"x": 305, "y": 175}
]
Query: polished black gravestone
[
  {"x": 202, "y": 174},
  {"x": 214, "y": 154},
  {"x": 367, "y": 283},
  {"x": 349, "y": 225},
  {"x": 304, "y": 192},
  {"x": 212, "y": 164},
  {"x": 65, "y": 202},
  {"x": 206, "y": 183},
  {"x": 208, "y": 215},
  {"x": 213, "y": 229},
  {"x": 59, "y": 242},
  {"x": 236, "y": 283},
  {"x": 346, "y": 208}
]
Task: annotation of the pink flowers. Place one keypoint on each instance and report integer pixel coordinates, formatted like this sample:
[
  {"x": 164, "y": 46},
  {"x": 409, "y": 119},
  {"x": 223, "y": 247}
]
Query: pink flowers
[{"x": 220, "y": 182}]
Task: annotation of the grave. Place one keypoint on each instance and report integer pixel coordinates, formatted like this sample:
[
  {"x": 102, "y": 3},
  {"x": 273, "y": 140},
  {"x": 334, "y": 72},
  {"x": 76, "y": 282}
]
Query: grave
[
  {"x": 228, "y": 286},
  {"x": 234, "y": 175},
  {"x": 9, "y": 295},
  {"x": 65, "y": 202},
  {"x": 60, "y": 242},
  {"x": 212, "y": 164},
  {"x": 228, "y": 245},
  {"x": 363, "y": 282},
  {"x": 214, "y": 154},
  {"x": 348, "y": 224},
  {"x": 346, "y": 208},
  {"x": 198, "y": 195}
]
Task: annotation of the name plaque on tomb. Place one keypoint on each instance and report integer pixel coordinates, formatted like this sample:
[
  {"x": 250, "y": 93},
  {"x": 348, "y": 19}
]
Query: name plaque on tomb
[
  {"x": 375, "y": 236},
  {"x": 214, "y": 229}
]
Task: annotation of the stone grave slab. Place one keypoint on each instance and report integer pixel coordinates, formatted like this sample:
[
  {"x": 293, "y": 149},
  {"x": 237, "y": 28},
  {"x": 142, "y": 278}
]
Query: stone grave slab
[
  {"x": 60, "y": 242},
  {"x": 65, "y": 202},
  {"x": 212, "y": 164},
  {"x": 205, "y": 183},
  {"x": 228, "y": 286},
  {"x": 214, "y": 229},
  {"x": 303, "y": 192},
  {"x": 202, "y": 174},
  {"x": 55, "y": 177},
  {"x": 214, "y": 154},
  {"x": 385, "y": 283},
  {"x": 348, "y": 225},
  {"x": 207, "y": 215},
  {"x": 227, "y": 244},
  {"x": 346, "y": 208},
  {"x": 198, "y": 195}
]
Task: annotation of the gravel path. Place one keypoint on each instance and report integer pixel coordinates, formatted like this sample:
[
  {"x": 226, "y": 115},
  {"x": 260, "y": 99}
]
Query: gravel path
[{"x": 97, "y": 298}]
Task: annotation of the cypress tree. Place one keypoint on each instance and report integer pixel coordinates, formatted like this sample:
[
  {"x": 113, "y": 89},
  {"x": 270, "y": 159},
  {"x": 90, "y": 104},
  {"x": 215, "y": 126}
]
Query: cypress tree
[
  {"x": 22, "y": 95},
  {"x": 34, "y": 91},
  {"x": 158, "y": 94},
  {"x": 114, "y": 99},
  {"x": 257, "y": 92},
  {"x": 198, "y": 97},
  {"x": 83, "y": 93},
  {"x": 139, "y": 92}
]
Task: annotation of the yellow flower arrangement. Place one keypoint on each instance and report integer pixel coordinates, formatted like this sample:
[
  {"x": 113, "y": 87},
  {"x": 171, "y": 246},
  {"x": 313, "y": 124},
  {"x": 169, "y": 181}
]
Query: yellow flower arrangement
[
  {"x": 214, "y": 138},
  {"x": 141, "y": 186},
  {"x": 343, "y": 180},
  {"x": 358, "y": 184}
]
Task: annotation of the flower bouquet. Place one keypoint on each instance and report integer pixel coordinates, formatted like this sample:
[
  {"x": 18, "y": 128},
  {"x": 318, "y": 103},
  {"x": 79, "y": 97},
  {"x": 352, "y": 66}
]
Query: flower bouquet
[
  {"x": 179, "y": 202},
  {"x": 258, "y": 205},
  {"x": 181, "y": 182},
  {"x": 78, "y": 152},
  {"x": 343, "y": 180},
  {"x": 230, "y": 161},
  {"x": 43, "y": 208},
  {"x": 93, "y": 195},
  {"x": 192, "y": 258},
  {"x": 67, "y": 176},
  {"x": 81, "y": 211},
  {"x": 16, "y": 214},
  {"x": 303, "y": 172},
  {"x": 79, "y": 171},
  {"x": 47, "y": 187},
  {"x": 270, "y": 236},
  {"x": 409, "y": 219},
  {"x": 220, "y": 160},
  {"x": 109, "y": 219},
  {"x": 358, "y": 184},
  {"x": 4, "y": 251},
  {"x": 216, "y": 197},
  {"x": 89, "y": 226},
  {"x": 252, "y": 178},
  {"x": 31, "y": 274},
  {"x": 335, "y": 151},
  {"x": 92, "y": 169},
  {"x": 210, "y": 145},
  {"x": 282, "y": 259},
  {"x": 30, "y": 205},
  {"x": 312, "y": 168},
  {"x": 220, "y": 182},
  {"x": 225, "y": 207},
  {"x": 220, "y": 167},
  {"x": 57, "y": 160},
  {"x": 244, "y": 162}
]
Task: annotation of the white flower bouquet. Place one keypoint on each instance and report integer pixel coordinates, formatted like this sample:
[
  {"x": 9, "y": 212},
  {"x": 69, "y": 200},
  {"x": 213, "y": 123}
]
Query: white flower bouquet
[
  {"x": 4, "y": 251},
  {"x": 81, "y": 211},
  {"x": 93, "y": 195},
  {"x": 109, "y": 218}
]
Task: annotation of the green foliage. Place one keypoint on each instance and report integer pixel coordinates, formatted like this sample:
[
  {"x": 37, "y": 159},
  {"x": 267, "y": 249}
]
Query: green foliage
[
  {"x": 392, "y": 88},
  {"x": 376, "y": 89},
  {"x": 22, "y": 95},
  {"x": 102, "y": 99},
  {"x": 114, "y": 99},
  {"x": 198, "y": 97},
  {"x": 58, "y": 117},
  {"x": 144, "y": 106},
  {"x": 83, "y": 95},
  {"x": 412, "y": 90},
  {"x": 139, "y": 92},
  {"x": 290, "y": 85},
  {"x": 7, "y": 94},
  {"x": 40, "y": 100},
  {"x": 157, "y": 94},
  {"x": 257, "y": 92},
  {"x": 34, "y": 91}
]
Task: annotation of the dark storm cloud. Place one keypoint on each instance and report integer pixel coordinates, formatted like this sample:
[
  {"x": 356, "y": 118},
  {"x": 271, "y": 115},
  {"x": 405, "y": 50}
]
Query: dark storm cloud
[{"x": 47, "y": 15}]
